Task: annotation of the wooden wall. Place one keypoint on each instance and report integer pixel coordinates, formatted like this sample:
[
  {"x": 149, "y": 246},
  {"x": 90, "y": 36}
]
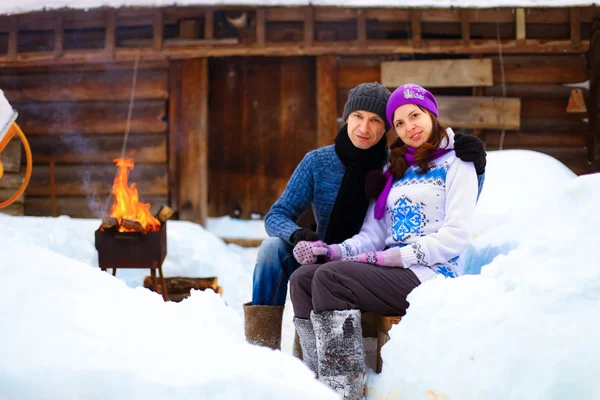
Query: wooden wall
[
  {"x": 75, "y": 118},
  {"x": 262, "y": 121},
  {"x": 538, "y": 80}
]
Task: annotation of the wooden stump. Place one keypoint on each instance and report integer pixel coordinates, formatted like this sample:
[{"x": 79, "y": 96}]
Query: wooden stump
[{"x": 179, "y": 288}]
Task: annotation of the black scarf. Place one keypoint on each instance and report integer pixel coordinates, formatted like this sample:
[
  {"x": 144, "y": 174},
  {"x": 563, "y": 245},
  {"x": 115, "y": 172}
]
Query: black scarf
[{"x": 351, "y": 203}]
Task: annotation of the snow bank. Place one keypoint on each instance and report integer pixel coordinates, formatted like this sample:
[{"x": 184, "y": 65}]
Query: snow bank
[
  {"x": 525, "y": 328},
  {"x": 227, "y": 227},
  {"x": 70, "y": 331}
]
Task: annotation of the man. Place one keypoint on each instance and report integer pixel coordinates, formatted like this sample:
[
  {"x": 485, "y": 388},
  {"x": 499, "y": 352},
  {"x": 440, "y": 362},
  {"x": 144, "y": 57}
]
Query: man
[{"x": 332, "y": 179}]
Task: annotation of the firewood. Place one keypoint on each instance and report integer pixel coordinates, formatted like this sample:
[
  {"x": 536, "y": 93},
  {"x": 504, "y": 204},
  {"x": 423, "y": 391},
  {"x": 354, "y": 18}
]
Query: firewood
[
  {"x": 177, "y": 285},
  {"x": 164, "y": 213},
  {"x": 109, "y": 223},
  {"x": 133, "y": 225}
]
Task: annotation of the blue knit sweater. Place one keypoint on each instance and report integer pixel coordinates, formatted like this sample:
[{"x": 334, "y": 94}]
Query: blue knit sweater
[{"x": 316, "y": 180}]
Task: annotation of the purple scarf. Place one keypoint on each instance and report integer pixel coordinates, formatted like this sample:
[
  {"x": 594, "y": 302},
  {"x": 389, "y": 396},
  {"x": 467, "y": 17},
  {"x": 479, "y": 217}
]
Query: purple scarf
[{"x": 410, "y": 160}]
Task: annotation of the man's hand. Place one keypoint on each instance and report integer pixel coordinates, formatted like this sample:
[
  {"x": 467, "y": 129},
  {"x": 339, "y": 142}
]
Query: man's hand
[
  {"x": 303, "y": 234},
  {"x": 470, "y": 148}
]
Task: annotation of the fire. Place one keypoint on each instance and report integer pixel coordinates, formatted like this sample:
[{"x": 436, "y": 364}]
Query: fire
[{"x": 126, "y": 204}]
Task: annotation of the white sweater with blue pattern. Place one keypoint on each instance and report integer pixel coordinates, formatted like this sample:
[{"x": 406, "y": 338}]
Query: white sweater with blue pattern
[{"x": 428, "y": 216}]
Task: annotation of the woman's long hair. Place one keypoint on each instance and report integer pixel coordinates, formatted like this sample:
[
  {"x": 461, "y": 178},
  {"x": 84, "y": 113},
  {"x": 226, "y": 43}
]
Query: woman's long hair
[{"x": 423, "y": 155}]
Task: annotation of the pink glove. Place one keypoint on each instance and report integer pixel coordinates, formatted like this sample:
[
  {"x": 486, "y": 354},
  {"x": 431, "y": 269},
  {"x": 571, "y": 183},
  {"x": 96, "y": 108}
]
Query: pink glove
[
  {"x": 307, "y": 252},
  {"x": 388, "y": 258}
]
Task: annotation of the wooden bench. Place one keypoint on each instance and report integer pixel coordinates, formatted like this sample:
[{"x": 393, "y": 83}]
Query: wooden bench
[{"x": 375, "y": 325}]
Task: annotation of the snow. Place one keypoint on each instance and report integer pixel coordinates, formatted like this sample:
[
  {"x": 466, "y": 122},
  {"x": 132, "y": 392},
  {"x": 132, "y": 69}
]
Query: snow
[
  {"x": 227, "y": 227},
  {"x": 516, "y": 327},
  {"x": 22, "y": 6}
]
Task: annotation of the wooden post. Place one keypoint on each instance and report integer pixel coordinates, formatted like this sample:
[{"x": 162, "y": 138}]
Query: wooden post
[
  {"x": 465, "y": 27},
  {"x": 209, "y": 24},
  {"x": 174, "y": 134},
  {"x": 110, "y": 36},
  {"x": 52, "y": 189},
  {"x": 415, "y": 26},
  {"x": 594, "y": 99},
  {"x": 575, "y": 20},
  {"x": 520, "y": 25},
  {"x": 261, "y": 28},
  {"x": 13, "y": 38},
  {"x": 188, "y": 29},
  {"x": 326, "y": 99},
  {"x": 59, "y": 34},
  {"x": 158, "y": 31},
  {"x": 193, "y": 129},
  {"x": 309, "y": 27}
]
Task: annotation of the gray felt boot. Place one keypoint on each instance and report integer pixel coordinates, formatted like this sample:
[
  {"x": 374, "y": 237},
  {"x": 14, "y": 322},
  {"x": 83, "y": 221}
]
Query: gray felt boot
[
  {"x": 341, "y": 359},
  {"x": 308, "y": 342}
]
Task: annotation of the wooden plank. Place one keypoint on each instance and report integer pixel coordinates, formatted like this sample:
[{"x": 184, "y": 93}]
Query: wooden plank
[
  {"x": 209, "y": 24},
  {"x": 525, "y": 140},
  {"x": 85, "y": 85},
  {"x": 530, "y": 90},
  {"x": 374, "y": 46},
  {"x": 158, "y": 27},
  {"x": 193, "y": 166},
  {"x": 77, "y": 149},
  {"x": 388, "y": 14},
  {"x": 575, "y": 23},
  {"x": 78, "y": 207},
  {"x": 60, "y": 118},
  {"x": 415, "y": 27},
  {"x": 59, "y": 35},
  {"x": 545, "y": 107},
  {"x": 188, "y": 29},
  {"x": 465, "y": 28},
  {"x": 309, "y": 27},
  {"x": 11, "y": 156},
  {"x": 438, "y": 73},
  {"x": 334, "y": 14},
  {"x": 261, "y": 28},
  {"x": 326, "y": 100},
  {"x": 285, "y": 14},
  {"x": 174, "y": 132},
  {"x": 520, "y": 24},
  {"x": 547, "y": 16},
  {"x": 15, "y": 209},
  {"x": 349, "y": 77},
  {"x": 479, "y": 112},
  {"x": 5, "y": 194},
  {"x": 11, "y": 180},
  {"x": 97, "y": 179},
  {"x": 110, "y": 35},
  {"x": 440, "y": 15},
  {"x": 541, "y": 69},
  {"x": 549, "y": 124}
]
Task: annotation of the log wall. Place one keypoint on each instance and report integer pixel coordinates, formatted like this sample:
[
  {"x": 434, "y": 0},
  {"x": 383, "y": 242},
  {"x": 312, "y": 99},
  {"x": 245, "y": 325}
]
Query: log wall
[
  {"x": 540, "y": 81},
  {"x": 75, "y": 118}
]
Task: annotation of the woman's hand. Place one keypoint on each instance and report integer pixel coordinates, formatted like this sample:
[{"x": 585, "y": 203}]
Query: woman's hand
[
  {"x": 307, "y": 252},
  {"x": 387, "y": 258}
]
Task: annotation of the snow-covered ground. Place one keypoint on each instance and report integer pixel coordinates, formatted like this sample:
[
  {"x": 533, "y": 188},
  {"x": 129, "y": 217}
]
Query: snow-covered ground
[{"x": 525, "y": 327}]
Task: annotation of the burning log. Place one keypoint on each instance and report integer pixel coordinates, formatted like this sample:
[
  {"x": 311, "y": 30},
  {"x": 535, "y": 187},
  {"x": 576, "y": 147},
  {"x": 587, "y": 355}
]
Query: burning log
[
  {"x": 184, "y": 285},
  {"x": 133, "y": 226},
  {"x": 110, "y": 224},
  {"x": 164, "y": 213}
]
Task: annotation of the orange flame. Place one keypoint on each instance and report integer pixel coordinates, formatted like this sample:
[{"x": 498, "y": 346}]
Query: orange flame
[{"x": 126, "y": 204}]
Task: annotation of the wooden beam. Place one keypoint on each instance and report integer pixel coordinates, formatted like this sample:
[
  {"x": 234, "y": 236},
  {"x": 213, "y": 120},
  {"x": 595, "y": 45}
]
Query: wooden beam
[
  {"x": 575, "y": 21},
  {"x": 520, "y": 24},
  {"x": 326, "y": 99},
  {"x": 59, "y": 35},
  {"x": 480, "y": 112},
  {"x": 309, "y": 27},
  {"x": 158, "y": 27},
  {"x": 188, "y": 29},
  {"x": 465, "y": 27},
  {"x": 261, "y": 28},
  {"x": 174, "y": 132},
  {"x": 438, "y": 73},
  {"x": 374, "y": 47},
  {"x": 361, "y": 27},
  {"x": 13, "y": 39},
  {"x": 193, "y": 165},
  {"x": 110, "y": 36},
  {"x": 209, "y": 25}
]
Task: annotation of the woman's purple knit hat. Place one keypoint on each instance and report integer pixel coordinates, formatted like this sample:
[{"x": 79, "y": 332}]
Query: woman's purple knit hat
[{"x": 410, "y": 94}]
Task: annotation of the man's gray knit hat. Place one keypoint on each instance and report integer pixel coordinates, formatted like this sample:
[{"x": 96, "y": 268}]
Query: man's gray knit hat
[{"x": 370, "y": 97}]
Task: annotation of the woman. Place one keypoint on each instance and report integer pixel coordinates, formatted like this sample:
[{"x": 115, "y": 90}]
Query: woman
[{"x": 415, "y": 231}]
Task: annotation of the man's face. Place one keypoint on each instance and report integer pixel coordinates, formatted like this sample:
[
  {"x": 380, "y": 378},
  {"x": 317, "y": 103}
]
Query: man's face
[{"x": 365, "y": 129}]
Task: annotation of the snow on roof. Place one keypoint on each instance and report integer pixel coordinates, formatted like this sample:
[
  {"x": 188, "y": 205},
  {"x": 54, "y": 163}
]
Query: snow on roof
[{"x": 22, "y": 6}]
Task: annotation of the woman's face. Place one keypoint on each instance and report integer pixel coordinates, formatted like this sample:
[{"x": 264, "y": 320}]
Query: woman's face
[
  {"x": 365, "y": 129},
  {"x": 413, "y": 126}
]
